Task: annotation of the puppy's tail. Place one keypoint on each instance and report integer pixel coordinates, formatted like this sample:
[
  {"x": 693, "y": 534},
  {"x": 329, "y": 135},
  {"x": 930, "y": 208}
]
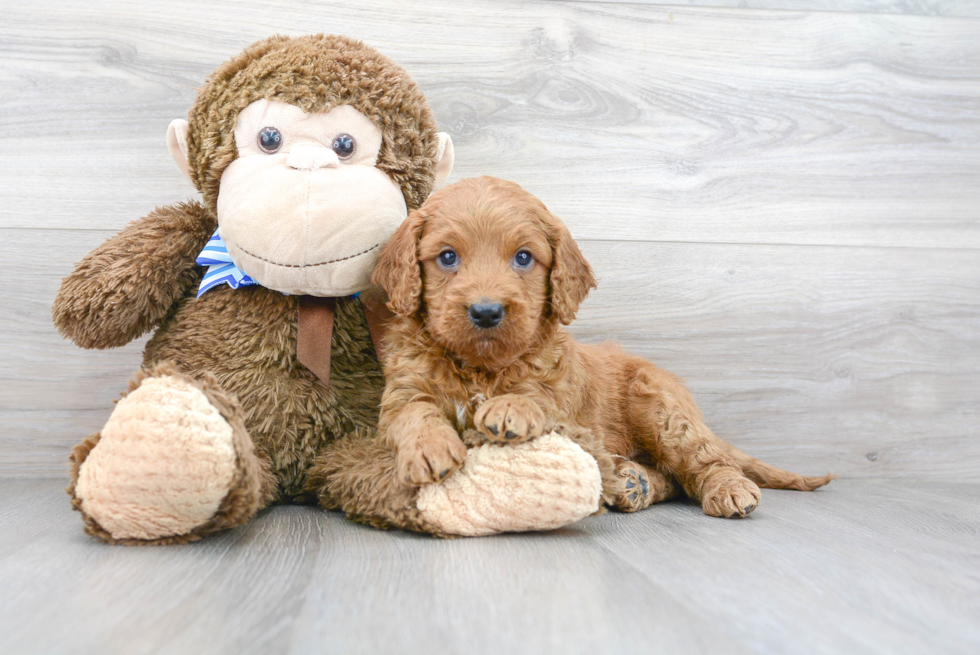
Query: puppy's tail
[{"x": 770, "y": 477}]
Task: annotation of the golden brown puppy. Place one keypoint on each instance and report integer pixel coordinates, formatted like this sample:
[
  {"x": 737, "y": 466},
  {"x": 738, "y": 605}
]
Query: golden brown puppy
[{"x": 482, "y": 278}]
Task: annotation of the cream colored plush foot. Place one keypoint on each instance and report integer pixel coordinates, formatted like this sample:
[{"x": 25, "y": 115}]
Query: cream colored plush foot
[
  {"x": 542, "y": 484},
  {"x": 164, "y": 463}
]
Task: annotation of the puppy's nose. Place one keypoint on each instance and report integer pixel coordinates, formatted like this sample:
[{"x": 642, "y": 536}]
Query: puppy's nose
[{"x": 485, "y": 314}]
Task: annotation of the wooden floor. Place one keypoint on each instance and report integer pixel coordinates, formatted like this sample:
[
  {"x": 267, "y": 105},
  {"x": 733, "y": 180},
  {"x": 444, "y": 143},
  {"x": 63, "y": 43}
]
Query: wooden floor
[
  {"x": 782, "y": 201},
  {"x": 859, "y": 567}
]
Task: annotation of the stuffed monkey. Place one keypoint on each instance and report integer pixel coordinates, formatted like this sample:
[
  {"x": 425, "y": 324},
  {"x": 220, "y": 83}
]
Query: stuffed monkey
[{"x": 261, "y": 383}]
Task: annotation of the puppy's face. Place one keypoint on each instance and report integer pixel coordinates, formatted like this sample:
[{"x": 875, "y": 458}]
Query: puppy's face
[
  {"x": 488, "y": 267},
  {"x": 485, "y": 268}
]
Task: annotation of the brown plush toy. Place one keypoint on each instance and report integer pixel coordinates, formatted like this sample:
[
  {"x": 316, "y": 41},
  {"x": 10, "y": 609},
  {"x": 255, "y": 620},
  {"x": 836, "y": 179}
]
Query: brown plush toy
[{"x": 261, "y": 384}]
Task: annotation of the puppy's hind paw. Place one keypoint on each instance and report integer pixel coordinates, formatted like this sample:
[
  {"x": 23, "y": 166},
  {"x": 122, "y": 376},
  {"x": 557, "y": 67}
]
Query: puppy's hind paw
[
  {"x": 733, "y": 496},
  {"x": 640, "y": 486},
  {"x": 633, "y": 492}
]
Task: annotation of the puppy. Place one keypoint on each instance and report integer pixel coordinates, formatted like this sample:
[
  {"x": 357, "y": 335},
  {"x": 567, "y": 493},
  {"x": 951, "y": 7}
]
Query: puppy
[{"x": 481, "y": 280}]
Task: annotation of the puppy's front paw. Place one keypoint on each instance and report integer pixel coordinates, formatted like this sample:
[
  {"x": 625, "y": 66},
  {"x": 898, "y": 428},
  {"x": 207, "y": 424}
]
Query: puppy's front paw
[
  {"x": 430, "y": 456},
  {"x": 730, "y": 495},
  {"x": 510, "y": 418}
]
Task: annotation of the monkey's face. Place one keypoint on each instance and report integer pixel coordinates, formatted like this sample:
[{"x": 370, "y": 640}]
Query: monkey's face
[
  {"x": 304, "y": 210},
  {"x": 310, "y": 150}
]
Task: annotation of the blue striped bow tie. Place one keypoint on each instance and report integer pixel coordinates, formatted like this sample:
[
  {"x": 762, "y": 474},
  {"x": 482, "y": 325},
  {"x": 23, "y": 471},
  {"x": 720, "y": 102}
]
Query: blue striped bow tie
[{"x": 221, "y": 270}]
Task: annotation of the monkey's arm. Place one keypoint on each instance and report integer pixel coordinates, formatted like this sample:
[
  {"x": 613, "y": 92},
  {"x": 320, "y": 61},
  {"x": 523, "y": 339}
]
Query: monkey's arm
[{"x": 126, "y": 286}]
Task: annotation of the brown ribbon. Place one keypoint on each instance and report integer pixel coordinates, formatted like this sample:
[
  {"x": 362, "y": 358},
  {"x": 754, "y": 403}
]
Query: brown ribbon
[
  {"x": 315, "y": 330},
  {"x": 315, "y": 334}
]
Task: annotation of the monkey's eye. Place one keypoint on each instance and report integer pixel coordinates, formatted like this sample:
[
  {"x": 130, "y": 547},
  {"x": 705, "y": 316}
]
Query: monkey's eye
[
  {"x": 448, "y": 259},
  {"x": 270, "y": 140},
  {"x": 344, "y": 146},
  {"x": 523, "y": 259}
]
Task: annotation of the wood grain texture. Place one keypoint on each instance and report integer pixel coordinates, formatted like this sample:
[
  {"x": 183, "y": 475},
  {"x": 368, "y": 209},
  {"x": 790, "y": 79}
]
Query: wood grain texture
[
  {"x": 782, "y": 205},
  {"x": 949, "y": 8},
  {"x": 632, "y": 121},
  {"x": 863, "y": 361},
  {"x": 861, "y": 566}
]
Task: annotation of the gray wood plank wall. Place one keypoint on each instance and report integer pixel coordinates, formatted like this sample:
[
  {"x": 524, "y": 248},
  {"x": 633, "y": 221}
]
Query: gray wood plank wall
[
  {"x": 783, "y": 206},
  {"x": 953, "y": 8}
]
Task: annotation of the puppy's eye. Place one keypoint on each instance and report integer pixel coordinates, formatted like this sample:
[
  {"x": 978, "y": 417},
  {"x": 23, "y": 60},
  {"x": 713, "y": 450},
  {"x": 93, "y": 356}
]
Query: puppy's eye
[
  {"x": 448, "y": 259},
  {"x": 523, "y": 259},
  {"x": 344, "y": 146},
  {"x": 270, "y": 139}
]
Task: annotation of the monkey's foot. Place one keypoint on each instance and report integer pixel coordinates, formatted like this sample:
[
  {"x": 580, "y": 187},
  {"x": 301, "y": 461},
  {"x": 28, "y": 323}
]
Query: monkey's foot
[
  {"x": 542, "y": 484},
  {"x": 164, "y": 465},
  {"x": 729, "y": 494}
]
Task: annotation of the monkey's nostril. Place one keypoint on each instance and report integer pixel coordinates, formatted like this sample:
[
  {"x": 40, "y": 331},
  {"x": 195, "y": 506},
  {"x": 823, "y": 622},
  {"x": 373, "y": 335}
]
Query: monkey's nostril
[{"x": 486, "y": 314}]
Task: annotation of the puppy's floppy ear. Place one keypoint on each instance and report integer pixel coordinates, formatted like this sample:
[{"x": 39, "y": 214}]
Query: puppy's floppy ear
[
  {"x": 571, "y": 275},
  {"x": 397, "y": 270}
]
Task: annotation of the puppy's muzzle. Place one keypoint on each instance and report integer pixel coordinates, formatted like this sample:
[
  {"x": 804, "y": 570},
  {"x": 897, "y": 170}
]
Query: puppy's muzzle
[{"x": 485, "y": 314}]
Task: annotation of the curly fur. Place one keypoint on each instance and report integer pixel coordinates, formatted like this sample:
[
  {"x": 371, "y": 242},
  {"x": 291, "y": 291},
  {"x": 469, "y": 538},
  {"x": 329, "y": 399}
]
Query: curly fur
[{"x": 437, "y": 360}]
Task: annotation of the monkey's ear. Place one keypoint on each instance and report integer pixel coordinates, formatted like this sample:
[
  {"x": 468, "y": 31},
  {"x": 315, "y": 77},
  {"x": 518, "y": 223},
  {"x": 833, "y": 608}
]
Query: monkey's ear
[
  {"x": 398, "y": 271},
  {"x": 177, "y": 145},
  {"x": 446, "y": 155},
  {"x": 571, "y": 275}
]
